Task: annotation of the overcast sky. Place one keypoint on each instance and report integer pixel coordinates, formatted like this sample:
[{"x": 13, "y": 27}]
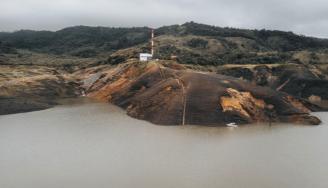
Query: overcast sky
[{"x": 308, "y": 17}]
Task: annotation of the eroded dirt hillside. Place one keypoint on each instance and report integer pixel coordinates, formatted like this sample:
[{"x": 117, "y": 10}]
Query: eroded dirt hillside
[
  {"x": 167, "y": 93},
  {"x": 28, "y": 88}
]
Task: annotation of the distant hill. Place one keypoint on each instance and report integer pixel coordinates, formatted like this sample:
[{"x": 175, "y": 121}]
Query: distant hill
[
  {"x": 265, "y": 39},
  {"x": 191, "y": 42},
  {"x": 79, "y": 40},
  {"x": 194, "y": 43}
]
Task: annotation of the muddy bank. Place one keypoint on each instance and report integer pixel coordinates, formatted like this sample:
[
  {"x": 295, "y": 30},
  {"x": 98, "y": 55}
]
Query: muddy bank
[
  {"x": 162, "y": 92},
  {"x": 12, "y": 105}
]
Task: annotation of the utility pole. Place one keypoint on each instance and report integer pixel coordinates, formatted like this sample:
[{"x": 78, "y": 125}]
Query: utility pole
[
  {"x": 148, "y": 56},
  {"x": 152, "y": 42}
]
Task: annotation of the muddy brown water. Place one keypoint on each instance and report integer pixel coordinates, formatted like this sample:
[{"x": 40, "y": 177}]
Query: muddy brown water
[{"x": 88, "y": 145}]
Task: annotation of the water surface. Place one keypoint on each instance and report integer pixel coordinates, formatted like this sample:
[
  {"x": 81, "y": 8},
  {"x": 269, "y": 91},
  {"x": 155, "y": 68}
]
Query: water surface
[{"x": 95, "y": 145}]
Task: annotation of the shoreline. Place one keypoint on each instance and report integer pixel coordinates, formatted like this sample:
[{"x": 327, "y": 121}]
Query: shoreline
[{"x": 161, "y": 92}]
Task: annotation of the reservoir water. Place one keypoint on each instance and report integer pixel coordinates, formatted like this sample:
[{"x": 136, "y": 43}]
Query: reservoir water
[{"x": 96, "y": 145}]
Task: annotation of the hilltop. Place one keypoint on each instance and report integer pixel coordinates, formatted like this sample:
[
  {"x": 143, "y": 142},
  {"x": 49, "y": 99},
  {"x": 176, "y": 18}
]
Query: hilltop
[
  {"x": 191, "y": 43},
  {"x": 191, "y": 39}
]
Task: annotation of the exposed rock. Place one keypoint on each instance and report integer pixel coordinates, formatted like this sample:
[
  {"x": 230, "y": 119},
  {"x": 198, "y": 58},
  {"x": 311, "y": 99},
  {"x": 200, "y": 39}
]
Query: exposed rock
[
  {"x": 314, "y": 98},
  {"x": 301, "y": 119},
  {"x": 301, "y": 81},
  {"x": 243, "y": 104}
]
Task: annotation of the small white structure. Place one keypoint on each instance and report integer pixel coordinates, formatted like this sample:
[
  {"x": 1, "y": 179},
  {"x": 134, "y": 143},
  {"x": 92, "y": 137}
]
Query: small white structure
[
  {"x": 234, "y": 125},
  {"x": 145, "y": 57}
]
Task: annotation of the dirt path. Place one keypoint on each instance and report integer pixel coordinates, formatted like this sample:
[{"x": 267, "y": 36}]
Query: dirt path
[
  {"x": 184, "y": 97},
  {"x": 283, "y": 85}
]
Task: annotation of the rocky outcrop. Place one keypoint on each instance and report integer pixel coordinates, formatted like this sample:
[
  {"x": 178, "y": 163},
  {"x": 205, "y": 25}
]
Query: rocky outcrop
[
  {"x": 167, "y": 96},
  {"x": 308, "y": 82},
  {"x": 244, "y": 105}
]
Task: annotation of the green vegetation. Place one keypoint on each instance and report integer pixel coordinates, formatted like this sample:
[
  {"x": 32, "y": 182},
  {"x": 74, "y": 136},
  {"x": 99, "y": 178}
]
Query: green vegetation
[
  {"x": 7, "y": 48},
  {"x": 80, "y": 41},
  {"x": 270, "y": 40},
  {"x": 191, "y": 43}
]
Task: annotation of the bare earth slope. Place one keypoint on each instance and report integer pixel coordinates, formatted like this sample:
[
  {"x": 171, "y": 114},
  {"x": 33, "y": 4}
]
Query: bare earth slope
[
  {"x": 166, "y": 93},
  {"x": 29, "y": 88}
]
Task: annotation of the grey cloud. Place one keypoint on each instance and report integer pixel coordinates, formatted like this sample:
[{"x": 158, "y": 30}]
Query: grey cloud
[{"x": 300, "y": 16}]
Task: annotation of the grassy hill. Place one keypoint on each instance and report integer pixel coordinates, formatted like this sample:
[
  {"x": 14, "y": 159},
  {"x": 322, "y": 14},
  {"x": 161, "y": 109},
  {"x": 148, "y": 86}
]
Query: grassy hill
[
  {"x": 191, "y": 42},
  {"x": 264, "y": 39}
]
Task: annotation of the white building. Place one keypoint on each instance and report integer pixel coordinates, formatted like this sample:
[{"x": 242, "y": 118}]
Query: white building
[{"x": 145, "y": 57}]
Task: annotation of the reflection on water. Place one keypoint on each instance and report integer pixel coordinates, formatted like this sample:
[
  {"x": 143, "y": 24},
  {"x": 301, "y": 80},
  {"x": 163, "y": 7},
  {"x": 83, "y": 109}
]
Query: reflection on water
[{"x": 83, "y": 145}]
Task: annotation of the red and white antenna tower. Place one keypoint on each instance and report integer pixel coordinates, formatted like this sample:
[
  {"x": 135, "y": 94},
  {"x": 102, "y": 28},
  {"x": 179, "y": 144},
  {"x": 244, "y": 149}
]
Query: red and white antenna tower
[{"x": 152, "y": 42}]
